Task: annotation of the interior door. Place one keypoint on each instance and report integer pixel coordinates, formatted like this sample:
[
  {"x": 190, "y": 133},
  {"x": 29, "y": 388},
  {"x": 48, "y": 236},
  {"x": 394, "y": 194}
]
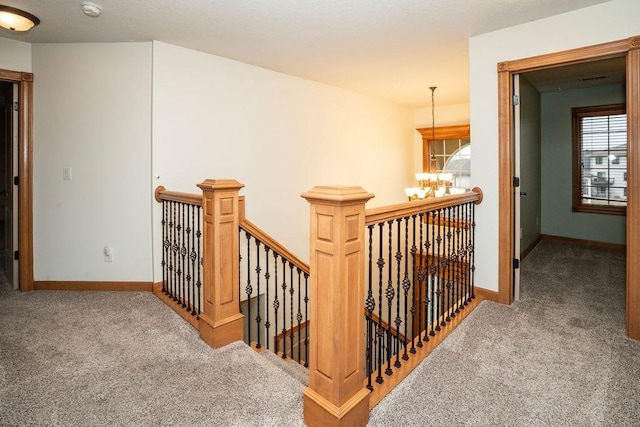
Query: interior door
[
  {"x": 517, "y": 231},
  {"x": 8, "y": 197}
]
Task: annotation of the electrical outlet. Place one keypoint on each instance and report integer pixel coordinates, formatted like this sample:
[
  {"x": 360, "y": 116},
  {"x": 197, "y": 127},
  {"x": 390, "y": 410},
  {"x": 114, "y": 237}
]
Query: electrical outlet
[{"x": 108, "y": 254}]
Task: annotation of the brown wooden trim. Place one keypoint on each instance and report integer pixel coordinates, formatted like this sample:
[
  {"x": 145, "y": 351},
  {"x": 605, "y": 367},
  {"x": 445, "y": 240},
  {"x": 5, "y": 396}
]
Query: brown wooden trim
[
  {"x": 283, "y": 335},
  {"x": 483, "y": 294},
  {"x": 529, "y": 248},
  {"x": 376, "y": 319},
  {"x": 505, "y": 188},
  {"x": 385, "y": 213},
  {"x": 48, "y": 285},
  {"x": 390, "y": 382},
  {"x": 186, "y": 315},
  {"x": 162, "y": 194},
  {"x": 633, "y": 190},
  {"x": 506, "y": 70},
  {"x": 583, "y": 242}
]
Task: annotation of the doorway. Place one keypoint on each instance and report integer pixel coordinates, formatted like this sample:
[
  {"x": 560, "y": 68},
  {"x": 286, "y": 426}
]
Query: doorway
[
  {"x": 8, "y": 196},
  {"x": 23, "y": 169},
  {"x": 630, "y": 49}
]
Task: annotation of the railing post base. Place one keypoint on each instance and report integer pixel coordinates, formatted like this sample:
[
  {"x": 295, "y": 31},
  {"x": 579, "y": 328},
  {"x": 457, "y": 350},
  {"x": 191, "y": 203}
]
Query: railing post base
[
  {"x": 336, "y": 395},
  {"x": 219, "y": 334},
  {"x": 320, "y": 412},
  {"x": 220, "y": 321}
]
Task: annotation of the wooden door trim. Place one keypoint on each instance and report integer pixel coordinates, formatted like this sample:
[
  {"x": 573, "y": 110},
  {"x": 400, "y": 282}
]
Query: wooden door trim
[
  {"x": 631, "y": 49},
  {"x": 25, "y": 173}
]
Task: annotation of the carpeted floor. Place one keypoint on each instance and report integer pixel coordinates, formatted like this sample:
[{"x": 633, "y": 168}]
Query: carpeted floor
[{"x": 558, "y": 357}]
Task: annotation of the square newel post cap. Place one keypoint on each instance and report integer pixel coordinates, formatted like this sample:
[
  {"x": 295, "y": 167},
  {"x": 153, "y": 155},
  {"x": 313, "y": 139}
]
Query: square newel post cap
[
  {"x": 220, "y": 184},
  {"x": 337, "y": 195}
]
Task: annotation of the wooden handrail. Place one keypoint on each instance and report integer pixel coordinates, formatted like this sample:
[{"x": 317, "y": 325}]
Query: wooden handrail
[
  {"x": 385, "y": 213},
  {"x": 162, "y": 194}
]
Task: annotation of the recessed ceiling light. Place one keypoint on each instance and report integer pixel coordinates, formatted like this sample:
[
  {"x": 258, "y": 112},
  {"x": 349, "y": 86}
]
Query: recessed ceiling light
[
  {"x": 17, "y": 20},
  {"x": 91, "y": 9}
]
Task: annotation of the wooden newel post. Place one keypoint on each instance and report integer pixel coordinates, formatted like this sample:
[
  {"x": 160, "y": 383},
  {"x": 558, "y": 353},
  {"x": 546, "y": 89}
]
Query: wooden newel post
[
  {"x": 336, "y": 395},
  {"x": 221, "y": 322}
]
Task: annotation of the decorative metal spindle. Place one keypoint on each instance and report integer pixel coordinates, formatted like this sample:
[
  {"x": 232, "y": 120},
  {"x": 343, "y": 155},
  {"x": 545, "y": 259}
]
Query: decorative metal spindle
[
  {"x": 199, "y": 259},
  {"x": 421, "y": 277},
  {"x": 406, "y": 284},
  {"x": 398, "y": 321},
  {"x": 389, "y": 293},
  {"x": 370, "y": 305},
  {"x": 267, "y": 276},
  {"x": 258, "y": 318},
  {"x": 379, "y": 328},
  {"x": 306, "y": 319},
  {"x": 276, "y": 303},
  {"x": 192, "y": 257},
  {"x": 170, "y": 253},
  {"x": 291, "y": 292},
  {"x": 164, "y": 237},
  {"x": 437, "y": 284},
  {"x": 448, "y": 255},
  {"x": 414, "y": 250},
  {"x": 426, "y": 301},
  {"x": 299, "y": 316},
  {"x": 240, "y": 258},
  {"x": 189, "y": 246},
  {"x": 467, "y": 264},
  {"x": 174, "y": 249},
  {"x": 248, "y": 288},
  {"x": 472, "y": 248},
  {"x": 177, "y": 249},
  {"x": 441, "y": 268},
  {"x": 183, "y": 255},
  {"x": 284, "y": 308},
  {"x": 459, "y": 254},
  {"x": 432, "y": 278}
]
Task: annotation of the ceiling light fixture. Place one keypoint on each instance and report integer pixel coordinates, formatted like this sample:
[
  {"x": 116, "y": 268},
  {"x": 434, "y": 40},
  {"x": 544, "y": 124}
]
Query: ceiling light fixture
[
  {"x": 16, "y": 20},
  {"x": 91, "y": 9}
]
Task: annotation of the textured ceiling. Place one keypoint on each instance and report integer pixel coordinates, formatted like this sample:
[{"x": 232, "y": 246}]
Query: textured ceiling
[{"x": 389, "y": 49}]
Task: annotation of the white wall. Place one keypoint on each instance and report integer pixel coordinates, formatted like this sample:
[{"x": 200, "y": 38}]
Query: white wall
[
  {"x": 276, "y": 134},
  {"x": 602, "y": 23},
  {"x": 15, "y": 55},
  {"x": 92, "y": 112}
]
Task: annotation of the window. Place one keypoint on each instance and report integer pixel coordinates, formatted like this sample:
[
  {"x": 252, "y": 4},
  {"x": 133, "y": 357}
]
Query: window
[
  {"x": 600, "y": 150},
  {"x": 448, "y": 149}
]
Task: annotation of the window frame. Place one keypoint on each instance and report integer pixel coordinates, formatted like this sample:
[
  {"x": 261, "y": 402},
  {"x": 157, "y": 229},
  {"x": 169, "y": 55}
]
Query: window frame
[{"x": 577, "y": 114}]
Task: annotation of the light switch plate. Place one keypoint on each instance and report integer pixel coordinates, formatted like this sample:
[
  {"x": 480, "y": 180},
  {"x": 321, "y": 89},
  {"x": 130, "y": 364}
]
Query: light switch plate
[{"x": 66, "y": 173}]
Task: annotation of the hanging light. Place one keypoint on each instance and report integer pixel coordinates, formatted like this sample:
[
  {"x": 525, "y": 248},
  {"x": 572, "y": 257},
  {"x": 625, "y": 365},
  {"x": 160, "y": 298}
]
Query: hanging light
[
  {"x": 433, "y": 167},
  {"x": 16, "y": 20}
]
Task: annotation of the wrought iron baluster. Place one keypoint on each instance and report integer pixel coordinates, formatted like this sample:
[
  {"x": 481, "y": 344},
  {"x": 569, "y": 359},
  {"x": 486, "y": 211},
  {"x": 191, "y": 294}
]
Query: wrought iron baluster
[
  {"x": 192, "y": 256},
  {"x": 421, "y": 277},
  {"x": 398, "y": 320},
  {"x": 189, "y": 245},
  {"x": 276, "y": 303},
  {"x": 448, "y": 254},
  {"x": 199, "y": 246},
  {"x": 438, "y": 269},
  {"x": 299, "y": 315},
  {"x": 459, "y": 254},
  {"x": 370, "y": 305},
  {"x": 426, "y": 301},
  {"x": 258, "y": 271},
  {"x": 406, "y": 285},
  {"x": 248, "y": 290},
  {"x": 267, "y": 276},
  {"x": 183, "y": 256},
  {"x": 433, "y": 305},
  {"x": 291, "y": 293},
  {"x": 473, "y": 251},
  {"x": 174, "y": 249},
  {"x": 284, "y": 308},
  {"x": 379, "y": 328},
  {"x": 389, "y": 293},
  {"x": 306, "y": 319},
  {"x": 467, "y": 264},
  {"x": 170, "y": 251},
  {"x": 164, "y": 246},
  {"x": 414, "y": 320}
]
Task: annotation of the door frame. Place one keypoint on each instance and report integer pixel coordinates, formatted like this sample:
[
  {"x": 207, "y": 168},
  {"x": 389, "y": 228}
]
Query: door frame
[
  {"x": 25, "y": 173},
  {"x": 630, "y": 48}
]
